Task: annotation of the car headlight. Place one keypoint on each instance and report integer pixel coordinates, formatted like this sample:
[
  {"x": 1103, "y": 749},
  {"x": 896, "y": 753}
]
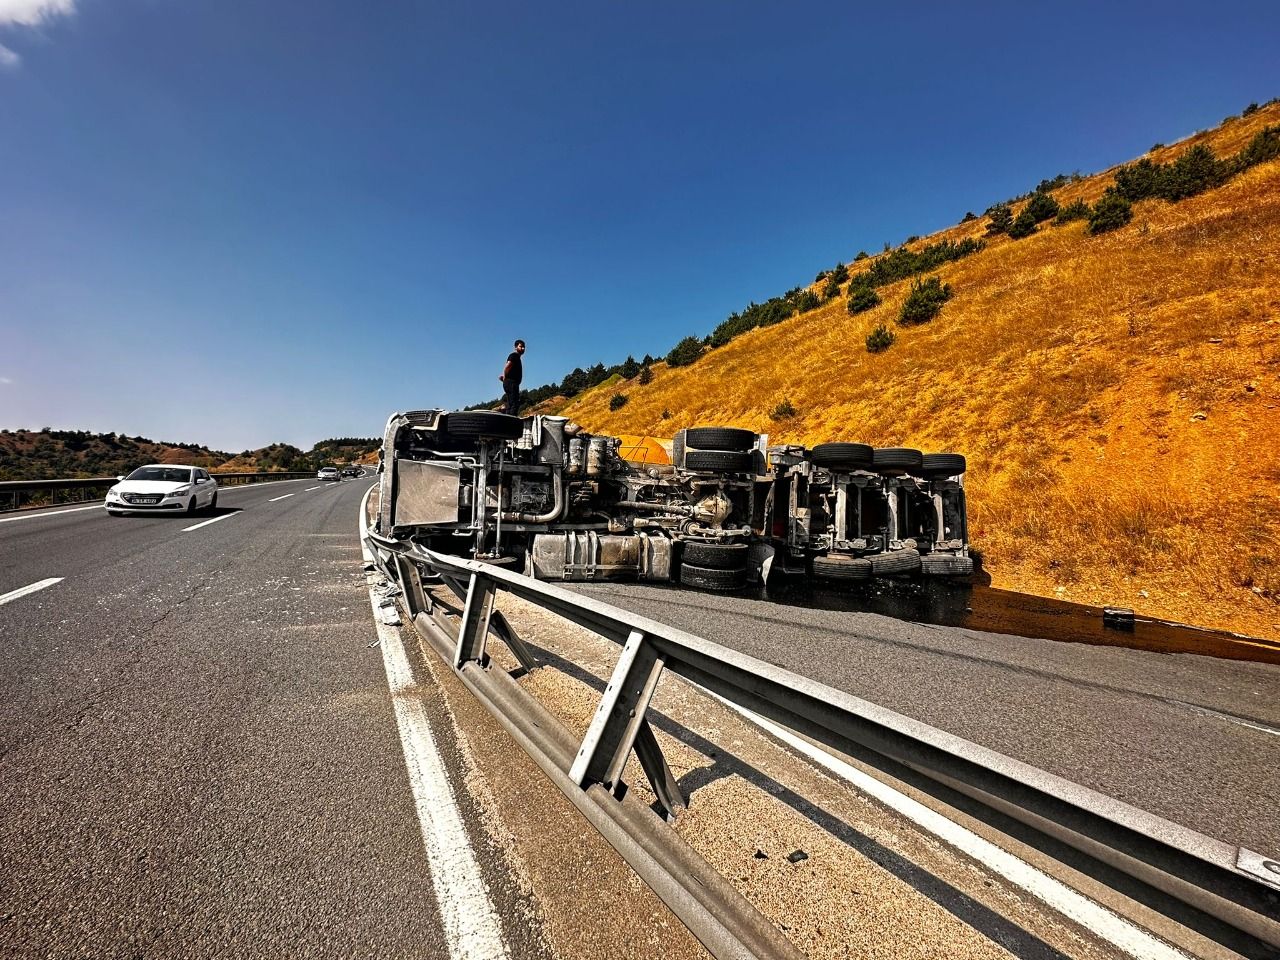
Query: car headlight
[
  {"x": 180, "y": 492},
  {"x": 112, "y": 494}
]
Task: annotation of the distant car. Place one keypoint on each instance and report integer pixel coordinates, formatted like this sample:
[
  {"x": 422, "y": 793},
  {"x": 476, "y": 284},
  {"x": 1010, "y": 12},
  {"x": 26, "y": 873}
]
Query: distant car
[
  {"x": 351, "y": 471},
  {"x": 163, "y": 487},
  {"x": 328, "y": 473}
]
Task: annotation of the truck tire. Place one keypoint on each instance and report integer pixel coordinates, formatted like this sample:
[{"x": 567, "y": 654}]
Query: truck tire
[
  {"x": 709, "y": 578},
  {"x": 469, "y": 424},
  {"x": 942, "y": 465},
  {"x": 843, "y": 456},
  {"x": 945, "y": 565},
  {"x": 842, "y": 568},
  {"x": 895, "y": 561},
  {"x": 715, "y": 556},
  {"x": 719, "y": 438},
  {"x": 897, "y": 460},
  {"x": 718, "y": 461}
]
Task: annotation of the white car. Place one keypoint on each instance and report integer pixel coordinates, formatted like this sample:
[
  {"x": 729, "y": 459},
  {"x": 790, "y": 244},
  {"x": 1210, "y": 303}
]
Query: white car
[
  {"x": 163, "y": 487},
  {"x": 328, "y": 473}
]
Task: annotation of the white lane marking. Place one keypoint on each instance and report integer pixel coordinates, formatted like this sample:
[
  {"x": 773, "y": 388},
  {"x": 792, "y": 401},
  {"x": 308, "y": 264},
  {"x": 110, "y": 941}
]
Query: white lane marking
[
  {"x": 205, "y": 523},
  {"x": 29, "y": 588},
  {"x": 1110, "y": 926},
  {"x": 285, "y": 497},
  {"x": 309, "y": 489},
  {"x": 37, "y": 516},
  {"x": 467, "y": 914}
]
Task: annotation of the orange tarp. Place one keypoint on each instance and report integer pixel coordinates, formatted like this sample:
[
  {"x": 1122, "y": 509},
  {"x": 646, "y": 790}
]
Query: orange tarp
[{"x": 644, "y": 449}]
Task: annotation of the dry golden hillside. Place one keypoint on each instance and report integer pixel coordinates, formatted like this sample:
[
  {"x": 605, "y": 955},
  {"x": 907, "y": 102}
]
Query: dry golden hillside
[{"x": 1118, "y": 396}]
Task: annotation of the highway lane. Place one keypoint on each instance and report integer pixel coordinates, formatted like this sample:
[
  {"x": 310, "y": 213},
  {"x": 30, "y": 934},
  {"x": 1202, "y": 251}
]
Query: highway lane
[
  {"x": 198, "y": 754},
  {"x": 1193, "y": 739}
]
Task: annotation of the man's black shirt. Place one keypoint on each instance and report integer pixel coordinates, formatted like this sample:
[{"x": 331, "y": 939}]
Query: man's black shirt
[{"x": 516, "y": 373}]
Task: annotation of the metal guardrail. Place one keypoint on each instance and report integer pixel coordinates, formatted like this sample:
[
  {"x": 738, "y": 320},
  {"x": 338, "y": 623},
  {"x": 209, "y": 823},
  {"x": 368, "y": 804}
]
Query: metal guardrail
[
  {"x": 12, "y": 491},
  {"x": 1229, "y": 894}
]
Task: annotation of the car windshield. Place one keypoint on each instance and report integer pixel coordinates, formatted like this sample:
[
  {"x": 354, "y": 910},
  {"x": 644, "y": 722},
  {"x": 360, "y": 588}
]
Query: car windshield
[
  {"x": 165, "y": 474},
  {"x": 328, "y": 469}
]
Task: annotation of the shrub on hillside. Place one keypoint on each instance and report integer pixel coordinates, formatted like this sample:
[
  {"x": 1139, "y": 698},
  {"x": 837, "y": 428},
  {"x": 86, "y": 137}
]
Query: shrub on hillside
[
  {"x": 629, "y": 367},
  {"x": 1041, "y": 207},
  {"x": 1264, "y": 146},
  {"x": 822, "y": 275},
  {"x": 1076, "y": 210},
  {"x": 969, "y": 215},
  {"x": 903, "y": 263},
  {"x": 1195, "y": 171},
  {"x": 685, "y": 352},
  {"x": 617, "y": 401},
  {"x": 807, "y": 301},
  {"x": 840, "y": 274},
  {"x": 1023, "y": 226},
  {"x": 831, "y": 289},
  {"x": 646, "y": 375},
  {"x": 1111, "y": 212},
  {"x": 1001, "y": 218},
  {"x": 924, "y": 301},
  {"x": 862, "y": 297},
  {"x": 862, "y": 255},
  {"x": 783, "y": 411},
  {"x": 1250, "y": 109},
  {"x": 880, "y": 339}
]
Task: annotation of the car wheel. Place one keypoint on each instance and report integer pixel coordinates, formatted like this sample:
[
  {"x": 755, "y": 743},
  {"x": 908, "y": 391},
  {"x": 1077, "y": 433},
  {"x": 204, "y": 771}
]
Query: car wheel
[
  {"x": 191, "y": 507},
  {"x": 213, "y": 502},
  {"x": 115, "y": 513}
]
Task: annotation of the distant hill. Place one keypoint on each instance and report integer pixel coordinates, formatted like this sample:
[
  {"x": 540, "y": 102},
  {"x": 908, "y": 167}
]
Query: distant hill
[
  {"x": 55, "y": 454},
  {"x": 58, "y": 454}
]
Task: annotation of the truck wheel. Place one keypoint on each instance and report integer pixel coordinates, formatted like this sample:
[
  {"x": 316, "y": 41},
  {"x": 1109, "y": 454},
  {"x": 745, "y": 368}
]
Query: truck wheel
[
  {"x": 716, "y": 556},
  {"x": 897, "y": 460},
  {"x": 842, "y": 568},
  {"x": 895, "y": 561},
  {"x": 946, "y": 565},
  {"x": 708, "y": 578},
  {"x": 942, "y": 465},
  {"x": 843, "y": 456},
  {"x": 482, "y": 423},
  {"x": 719, "y": 438},
  {"x": 718, "y": 461}
]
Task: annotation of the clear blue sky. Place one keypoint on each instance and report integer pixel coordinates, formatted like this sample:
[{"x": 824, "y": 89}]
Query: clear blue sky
[{"x": 240, "y": 221}]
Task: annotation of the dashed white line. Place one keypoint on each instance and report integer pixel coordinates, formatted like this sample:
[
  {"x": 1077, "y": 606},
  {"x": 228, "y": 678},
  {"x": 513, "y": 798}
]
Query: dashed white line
[
  {"x": 285, "y": 497},
  {"x": 29, "y": 588},
  {"x": 37, "y": 516},
  {"x": 309, "y": 489},
  {"x": 205, "y": 523},
  {"x": 1110, "y": 926}
]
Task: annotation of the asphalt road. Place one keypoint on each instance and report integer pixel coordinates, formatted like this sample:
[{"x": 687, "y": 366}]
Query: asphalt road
[
  {"x": 198, "y": 754},
  {"x": 1191, "y": 738}
]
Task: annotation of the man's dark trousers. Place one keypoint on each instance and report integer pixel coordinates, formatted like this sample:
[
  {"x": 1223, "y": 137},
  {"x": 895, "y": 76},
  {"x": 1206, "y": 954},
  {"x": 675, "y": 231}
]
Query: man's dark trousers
[{"x": 512, "y": 405}]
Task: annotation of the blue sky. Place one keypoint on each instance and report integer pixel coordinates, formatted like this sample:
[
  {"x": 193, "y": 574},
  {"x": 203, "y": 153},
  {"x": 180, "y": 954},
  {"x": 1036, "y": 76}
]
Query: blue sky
[{"x": 237, "y": 222}]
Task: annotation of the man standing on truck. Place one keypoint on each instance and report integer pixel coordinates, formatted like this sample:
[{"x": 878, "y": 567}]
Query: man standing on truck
[{"x": 511, "y": 376}]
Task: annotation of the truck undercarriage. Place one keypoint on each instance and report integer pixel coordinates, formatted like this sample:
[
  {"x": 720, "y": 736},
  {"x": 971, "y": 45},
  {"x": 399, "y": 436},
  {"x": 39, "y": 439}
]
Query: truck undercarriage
[{"x": 541, "y": 494}]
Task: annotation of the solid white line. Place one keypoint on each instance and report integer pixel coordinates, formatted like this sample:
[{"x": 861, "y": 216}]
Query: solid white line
[
  {"x": 30, "y": 588},
  {"x": 37, "y": 516},
  {"x": 309, "y": 489},
  {"x": 470, "y": 922},
  {"x": 285, "y": 497},
  {"x": 467, "y": 914},
  {"x": 205, "y": 523},
  {"x": 1110, "y": 926}
]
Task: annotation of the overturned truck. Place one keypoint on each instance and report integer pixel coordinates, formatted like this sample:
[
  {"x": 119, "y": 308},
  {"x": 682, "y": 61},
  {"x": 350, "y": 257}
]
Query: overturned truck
[{"x": 541, "y": 494}]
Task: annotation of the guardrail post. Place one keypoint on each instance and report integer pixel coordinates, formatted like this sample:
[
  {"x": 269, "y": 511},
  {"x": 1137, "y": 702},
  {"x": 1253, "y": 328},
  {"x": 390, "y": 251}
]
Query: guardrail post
[
  {"x": 475, "y": 621},
  {"x": 619, "y": 717}
]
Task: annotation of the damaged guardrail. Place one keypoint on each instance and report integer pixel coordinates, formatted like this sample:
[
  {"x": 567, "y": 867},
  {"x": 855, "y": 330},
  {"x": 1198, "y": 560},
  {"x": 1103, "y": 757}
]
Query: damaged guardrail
[{"x": 1229, "y": 894}]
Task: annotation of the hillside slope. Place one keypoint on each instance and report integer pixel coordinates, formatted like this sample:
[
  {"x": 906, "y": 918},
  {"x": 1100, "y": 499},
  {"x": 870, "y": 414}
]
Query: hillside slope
[{"x": 1118, "y": 395}]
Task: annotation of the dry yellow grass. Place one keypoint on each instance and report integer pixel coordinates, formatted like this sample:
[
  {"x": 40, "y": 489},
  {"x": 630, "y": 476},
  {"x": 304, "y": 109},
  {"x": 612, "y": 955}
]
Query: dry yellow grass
[{"x": 1118, "y": 397}]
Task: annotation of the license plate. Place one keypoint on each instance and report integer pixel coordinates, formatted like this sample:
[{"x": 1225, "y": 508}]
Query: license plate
[{"x": 147, "y": 500}]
